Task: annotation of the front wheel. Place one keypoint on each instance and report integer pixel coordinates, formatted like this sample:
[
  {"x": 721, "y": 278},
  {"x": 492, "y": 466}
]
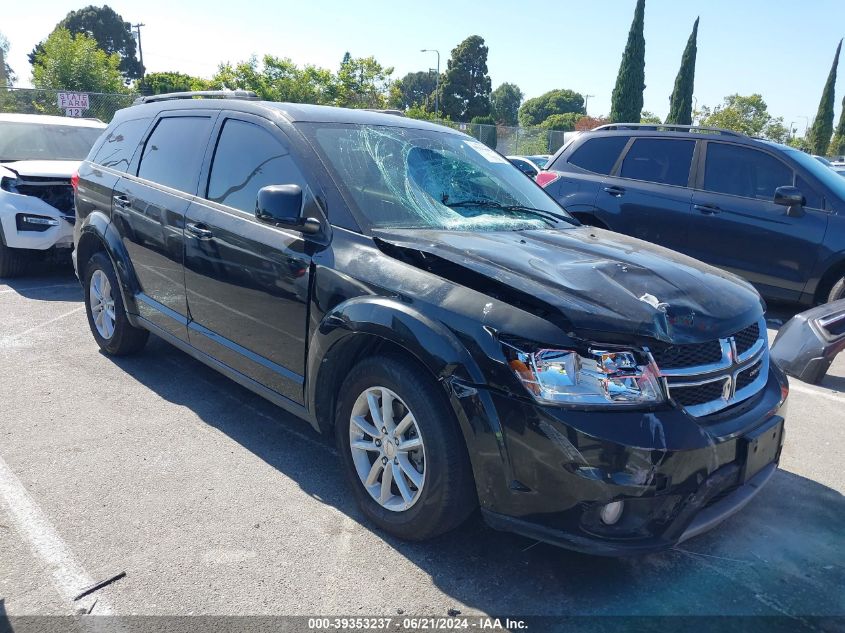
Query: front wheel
[
  {"x": 838, "y": 291},
  {"x": 107, "y": 319},
  {"x": 402, "y": 450},
  {"x": 13, "y": 261}
]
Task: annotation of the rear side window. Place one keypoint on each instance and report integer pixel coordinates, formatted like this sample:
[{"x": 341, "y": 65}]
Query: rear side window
[
  {"x": 174, "y": 151},
  {"x": 742, "y": 171},
  {"x": 664, "y": 161},
  {"x": 117, "y": 150},
  {"x": 598, "y": 155},
  {"x": 248, "y": 158}
]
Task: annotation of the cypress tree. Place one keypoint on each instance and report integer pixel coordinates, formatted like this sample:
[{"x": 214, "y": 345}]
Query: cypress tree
[
  {"x": 837, "y": 147},
  {"x": 680, "y": 105},
  {"x": 822, "y": 129},
  {"x": 627, "y": 100}
]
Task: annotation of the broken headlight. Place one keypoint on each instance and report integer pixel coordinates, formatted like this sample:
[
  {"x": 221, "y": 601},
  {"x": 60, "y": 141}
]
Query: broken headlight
[{"x": 600, "y": 377}]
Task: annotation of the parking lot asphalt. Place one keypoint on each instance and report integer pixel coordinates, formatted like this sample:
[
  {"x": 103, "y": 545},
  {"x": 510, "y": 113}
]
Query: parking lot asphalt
[{"x": 214, "y": 501}]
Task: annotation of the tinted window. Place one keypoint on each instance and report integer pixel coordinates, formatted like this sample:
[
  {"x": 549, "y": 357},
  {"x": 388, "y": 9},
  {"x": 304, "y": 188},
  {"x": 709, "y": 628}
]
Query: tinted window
[
  {"x": 665, "y": 161},
  {"x": 741, "y": 171},
  {"x": 116, "y": 151},
  {"x": 598, "y": 155},
  {"x": 173, "y": 153},
  {"x": 814, "y": 200},
  {"x": 248, "y": 158}
]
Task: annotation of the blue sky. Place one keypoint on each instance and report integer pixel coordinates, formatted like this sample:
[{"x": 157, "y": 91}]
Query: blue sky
[{"x": 781, "y": 49}]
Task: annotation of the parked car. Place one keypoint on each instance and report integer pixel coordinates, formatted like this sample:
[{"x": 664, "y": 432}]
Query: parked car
[
  {"x": 401, "y": 286},
  {"x": 526, "y": 166},
  {"x": 541, "y": 160},
  {"x": 38, "y": 154},
  {"x": 839, "y": 169},
  {"x": 824, "y": 161},
  {"x": 767, "y": 212}
]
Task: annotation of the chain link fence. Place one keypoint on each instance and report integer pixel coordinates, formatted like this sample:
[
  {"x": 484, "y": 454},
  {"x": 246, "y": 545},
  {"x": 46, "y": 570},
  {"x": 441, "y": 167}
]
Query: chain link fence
[
  {"x": 511, "y": 141},
  {"x": 95, "y": 105}
]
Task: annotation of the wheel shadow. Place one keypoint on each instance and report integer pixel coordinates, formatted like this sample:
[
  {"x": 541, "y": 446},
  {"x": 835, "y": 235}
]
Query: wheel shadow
[{"x": 783, "y": 555}]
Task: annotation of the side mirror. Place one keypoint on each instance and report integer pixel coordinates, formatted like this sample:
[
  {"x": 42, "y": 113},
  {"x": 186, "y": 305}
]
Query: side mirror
[
  {"x": 792, "y": 199},
  {"x": 281, "y": 205}
]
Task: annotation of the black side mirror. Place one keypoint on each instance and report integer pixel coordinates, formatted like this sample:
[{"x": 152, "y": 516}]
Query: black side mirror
[
  {"x": 792, "y": 199},
  {"x": 281, "y": 205}
]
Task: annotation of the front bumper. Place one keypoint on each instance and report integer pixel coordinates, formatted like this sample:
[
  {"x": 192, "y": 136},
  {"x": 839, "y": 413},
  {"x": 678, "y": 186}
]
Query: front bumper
[
  {"x": 678, "y": 476},
  {"x": 11, "y": 205}
]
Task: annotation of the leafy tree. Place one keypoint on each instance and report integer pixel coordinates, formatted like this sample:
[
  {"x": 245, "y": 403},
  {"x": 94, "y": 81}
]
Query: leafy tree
[
  {"x": 73, "y": 62},
  {"x": 418, "y": 112},
  {"x": 362, "y": 83},
  {"x": 414, "y": 89},
  {"x": 627, "y": 99},
  {"x": 586, "y": 123},
  {"x": 278, "y": 79},
  {"x": 109, "y": 30},
  {"x": 680, "y": 104},
  {"x": 562, "y": 122},
  {"x": 171, "y": 81},
  {"x": 746, "y": 114},
  {"x": 484, "y": 129},
  {"x": 819, "y": 135},
  {"x": 649, "y": 117},
  {"x": 465, "y": 90},
  {"x": 504, "y": 103},
  {"x": 799, "y": 142},
  {"x": 536, "y": 110},
  {"x": 837, "y": 145},
  {"x": 8, "y": 73}
]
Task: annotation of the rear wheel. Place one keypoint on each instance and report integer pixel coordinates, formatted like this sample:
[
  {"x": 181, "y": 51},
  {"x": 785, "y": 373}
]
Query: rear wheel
[
  {"x": 13, "y": 261},
  {"x": 838, "y": 291},
  {"x": 106, "y": 315},
  {"x": 402, "y": 450}
]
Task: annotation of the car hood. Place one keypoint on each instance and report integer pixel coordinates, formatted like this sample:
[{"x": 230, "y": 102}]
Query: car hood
[
  {"x": 591, "y": 282},
  {"x": 43, "y": 168}
]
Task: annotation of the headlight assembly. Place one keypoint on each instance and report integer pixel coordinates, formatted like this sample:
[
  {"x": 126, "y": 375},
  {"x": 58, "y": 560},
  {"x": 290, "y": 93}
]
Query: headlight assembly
[{"x": 600, "y": 378}]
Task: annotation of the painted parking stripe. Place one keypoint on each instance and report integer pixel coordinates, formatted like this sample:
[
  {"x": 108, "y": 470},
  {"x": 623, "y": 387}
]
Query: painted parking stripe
[
  {"x": 67, "y": 575},
  {"x": 819, "y": 392}
]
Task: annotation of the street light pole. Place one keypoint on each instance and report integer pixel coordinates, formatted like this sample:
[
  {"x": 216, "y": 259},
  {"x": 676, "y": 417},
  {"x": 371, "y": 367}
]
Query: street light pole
[
  {"x": 587, "y": 102},
  {"x": 436, "y": 81},
  {"x": 137, "y": 28}
]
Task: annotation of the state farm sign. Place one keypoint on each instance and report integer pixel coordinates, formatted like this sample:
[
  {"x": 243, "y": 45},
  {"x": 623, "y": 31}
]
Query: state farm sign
[{"x": 73, "y": 103}]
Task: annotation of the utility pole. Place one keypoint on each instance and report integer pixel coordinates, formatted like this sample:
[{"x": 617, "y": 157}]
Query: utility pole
[
  {"x": 436, "y": 81},
  {"x": 3, "y": 80},
  {"x": 586, "y": 102},
  {"x": 137, "y": 28}
]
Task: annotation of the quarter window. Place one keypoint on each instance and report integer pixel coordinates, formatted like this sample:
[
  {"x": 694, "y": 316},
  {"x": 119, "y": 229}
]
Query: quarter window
[
  {"x": 248, "y": 158},
  {"x": 814, "y": 200},
  {"x": 599, "y": 155},
  {"x": 117, "y": 150},
  {"x": 742, "y": 171},
  {"x": 173, "y": 153},
  {"x": 664, "y": 161}
]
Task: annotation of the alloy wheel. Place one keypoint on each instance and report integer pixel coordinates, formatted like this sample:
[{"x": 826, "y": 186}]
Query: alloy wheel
[{"x": 102, "y": 304}]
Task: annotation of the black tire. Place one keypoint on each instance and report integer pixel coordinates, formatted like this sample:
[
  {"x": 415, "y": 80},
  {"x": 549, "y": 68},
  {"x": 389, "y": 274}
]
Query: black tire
[
  {"x": 447, "y": 496},
  {"x": 13, "y": 261},
  {"x": 126, "y": 339},
  {"x": 838, "y": 291}
]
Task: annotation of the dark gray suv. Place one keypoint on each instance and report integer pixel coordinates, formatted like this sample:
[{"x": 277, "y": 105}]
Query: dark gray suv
[{"x": 762, "y": 210}]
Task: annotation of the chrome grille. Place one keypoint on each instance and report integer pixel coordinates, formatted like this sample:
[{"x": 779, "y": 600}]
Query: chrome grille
[{"x": 704, "y": 382}]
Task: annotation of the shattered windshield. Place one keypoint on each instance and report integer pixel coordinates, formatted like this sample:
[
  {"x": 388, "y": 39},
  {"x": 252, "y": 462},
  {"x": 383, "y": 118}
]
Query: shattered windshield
[{"x": 408, "y": 178}]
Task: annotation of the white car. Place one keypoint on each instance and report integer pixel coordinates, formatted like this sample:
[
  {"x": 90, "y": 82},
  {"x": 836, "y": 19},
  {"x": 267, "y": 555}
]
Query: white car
[{"x": 38, "y": 156}]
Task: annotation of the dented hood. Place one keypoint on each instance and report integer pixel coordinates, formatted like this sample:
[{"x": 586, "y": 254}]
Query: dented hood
[
  {"x": 591, "y": 282},
  {"x": 43, "y": 168}
]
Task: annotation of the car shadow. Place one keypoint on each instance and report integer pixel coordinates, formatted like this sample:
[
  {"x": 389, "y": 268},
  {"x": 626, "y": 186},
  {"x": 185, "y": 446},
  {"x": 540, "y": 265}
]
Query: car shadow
[
  {"x": 782, "y": 555},
  {"x": 55, "y": 285}
]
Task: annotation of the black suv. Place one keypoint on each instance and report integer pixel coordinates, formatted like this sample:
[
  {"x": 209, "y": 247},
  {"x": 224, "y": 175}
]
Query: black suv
[
  {"x": 765, "y": 211},
  {"x": 468, "y": 342}
]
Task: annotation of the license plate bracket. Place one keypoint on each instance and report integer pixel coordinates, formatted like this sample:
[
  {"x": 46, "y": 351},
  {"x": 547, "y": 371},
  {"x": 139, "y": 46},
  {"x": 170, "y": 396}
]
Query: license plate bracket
[{"x": 761, "y": 447}]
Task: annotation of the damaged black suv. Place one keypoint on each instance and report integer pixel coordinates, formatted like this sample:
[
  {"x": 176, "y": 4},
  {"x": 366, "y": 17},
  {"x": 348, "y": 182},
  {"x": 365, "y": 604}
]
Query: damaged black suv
[{"x": 467, "y": 341}]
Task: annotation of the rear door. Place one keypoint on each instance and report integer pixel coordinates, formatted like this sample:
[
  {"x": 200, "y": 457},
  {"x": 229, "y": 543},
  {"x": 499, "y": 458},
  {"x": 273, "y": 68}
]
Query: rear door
[
  {"x": 736, "y": 226},
  {"x": 648, "y": 194},
  {"x": 247, "y": 281},
  {"x": 149, "y": 213}
]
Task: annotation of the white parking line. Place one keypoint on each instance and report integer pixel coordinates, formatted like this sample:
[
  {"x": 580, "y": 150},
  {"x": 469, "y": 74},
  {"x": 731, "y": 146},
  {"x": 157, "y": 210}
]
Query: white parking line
[
  {"x": 819, "y": 392},
  {"x": 67, "y": 575},
  {"x": 19, "y": 290},
  {"x": 13, "y": 337}
]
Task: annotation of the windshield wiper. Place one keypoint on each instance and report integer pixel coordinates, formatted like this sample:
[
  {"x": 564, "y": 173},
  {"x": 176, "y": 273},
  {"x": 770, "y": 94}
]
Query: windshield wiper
[{"x": 549, "y": 216}]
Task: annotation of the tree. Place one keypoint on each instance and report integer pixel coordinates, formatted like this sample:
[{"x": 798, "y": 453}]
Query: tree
[
  {"x": 7, "y": 72},
  {"x": 586, "y": 123},
  {"x": 626, "y": 102},
  {"x": 414, "y": 89},
  {"x": 362, "y": 83},
  {"x": 837, "y": 145},
  {"x": 278, "y": 79},
  {"x": 109, "y": 30},
  {"x": 562, "y": 122},
  {"x": 680, "y": 103},
  {"x": 484, "y": 129},
  {"x": 171, "y": 81},
  {"x": 73, "y": 62},
  {"x": 465, "y": 90},
  {"x": 536, "y": 110},
  {"x": 649, "y": 117},
  {"x": 749, "y": 115},
  {"x": 820, "y": 133},
  {"x": 504, "y": 103}
]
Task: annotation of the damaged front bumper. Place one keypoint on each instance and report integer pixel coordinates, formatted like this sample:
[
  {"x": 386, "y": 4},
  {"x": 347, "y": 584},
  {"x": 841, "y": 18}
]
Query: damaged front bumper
[{"x": 676, "y": 476}]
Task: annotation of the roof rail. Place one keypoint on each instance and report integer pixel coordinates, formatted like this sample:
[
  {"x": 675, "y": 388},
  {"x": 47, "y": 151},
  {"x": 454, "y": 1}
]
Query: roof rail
[
  {"x": 206, "y": 94},
  {"x": 668, "y": 127}
]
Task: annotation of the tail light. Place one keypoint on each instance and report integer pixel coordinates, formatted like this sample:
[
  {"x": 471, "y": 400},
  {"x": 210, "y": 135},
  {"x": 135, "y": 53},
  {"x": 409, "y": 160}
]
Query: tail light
[
  {"x": 545, "y": 178},
  {"x": 74, "y": 181}
]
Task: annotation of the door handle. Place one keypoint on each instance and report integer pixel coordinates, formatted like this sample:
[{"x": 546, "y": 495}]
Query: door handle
[
  {"x": 615, "y": 191},
  {"x": 121, "y": 202},
  {"x": 199, "y": 230},
  {"x": 706, "y": 209}
]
